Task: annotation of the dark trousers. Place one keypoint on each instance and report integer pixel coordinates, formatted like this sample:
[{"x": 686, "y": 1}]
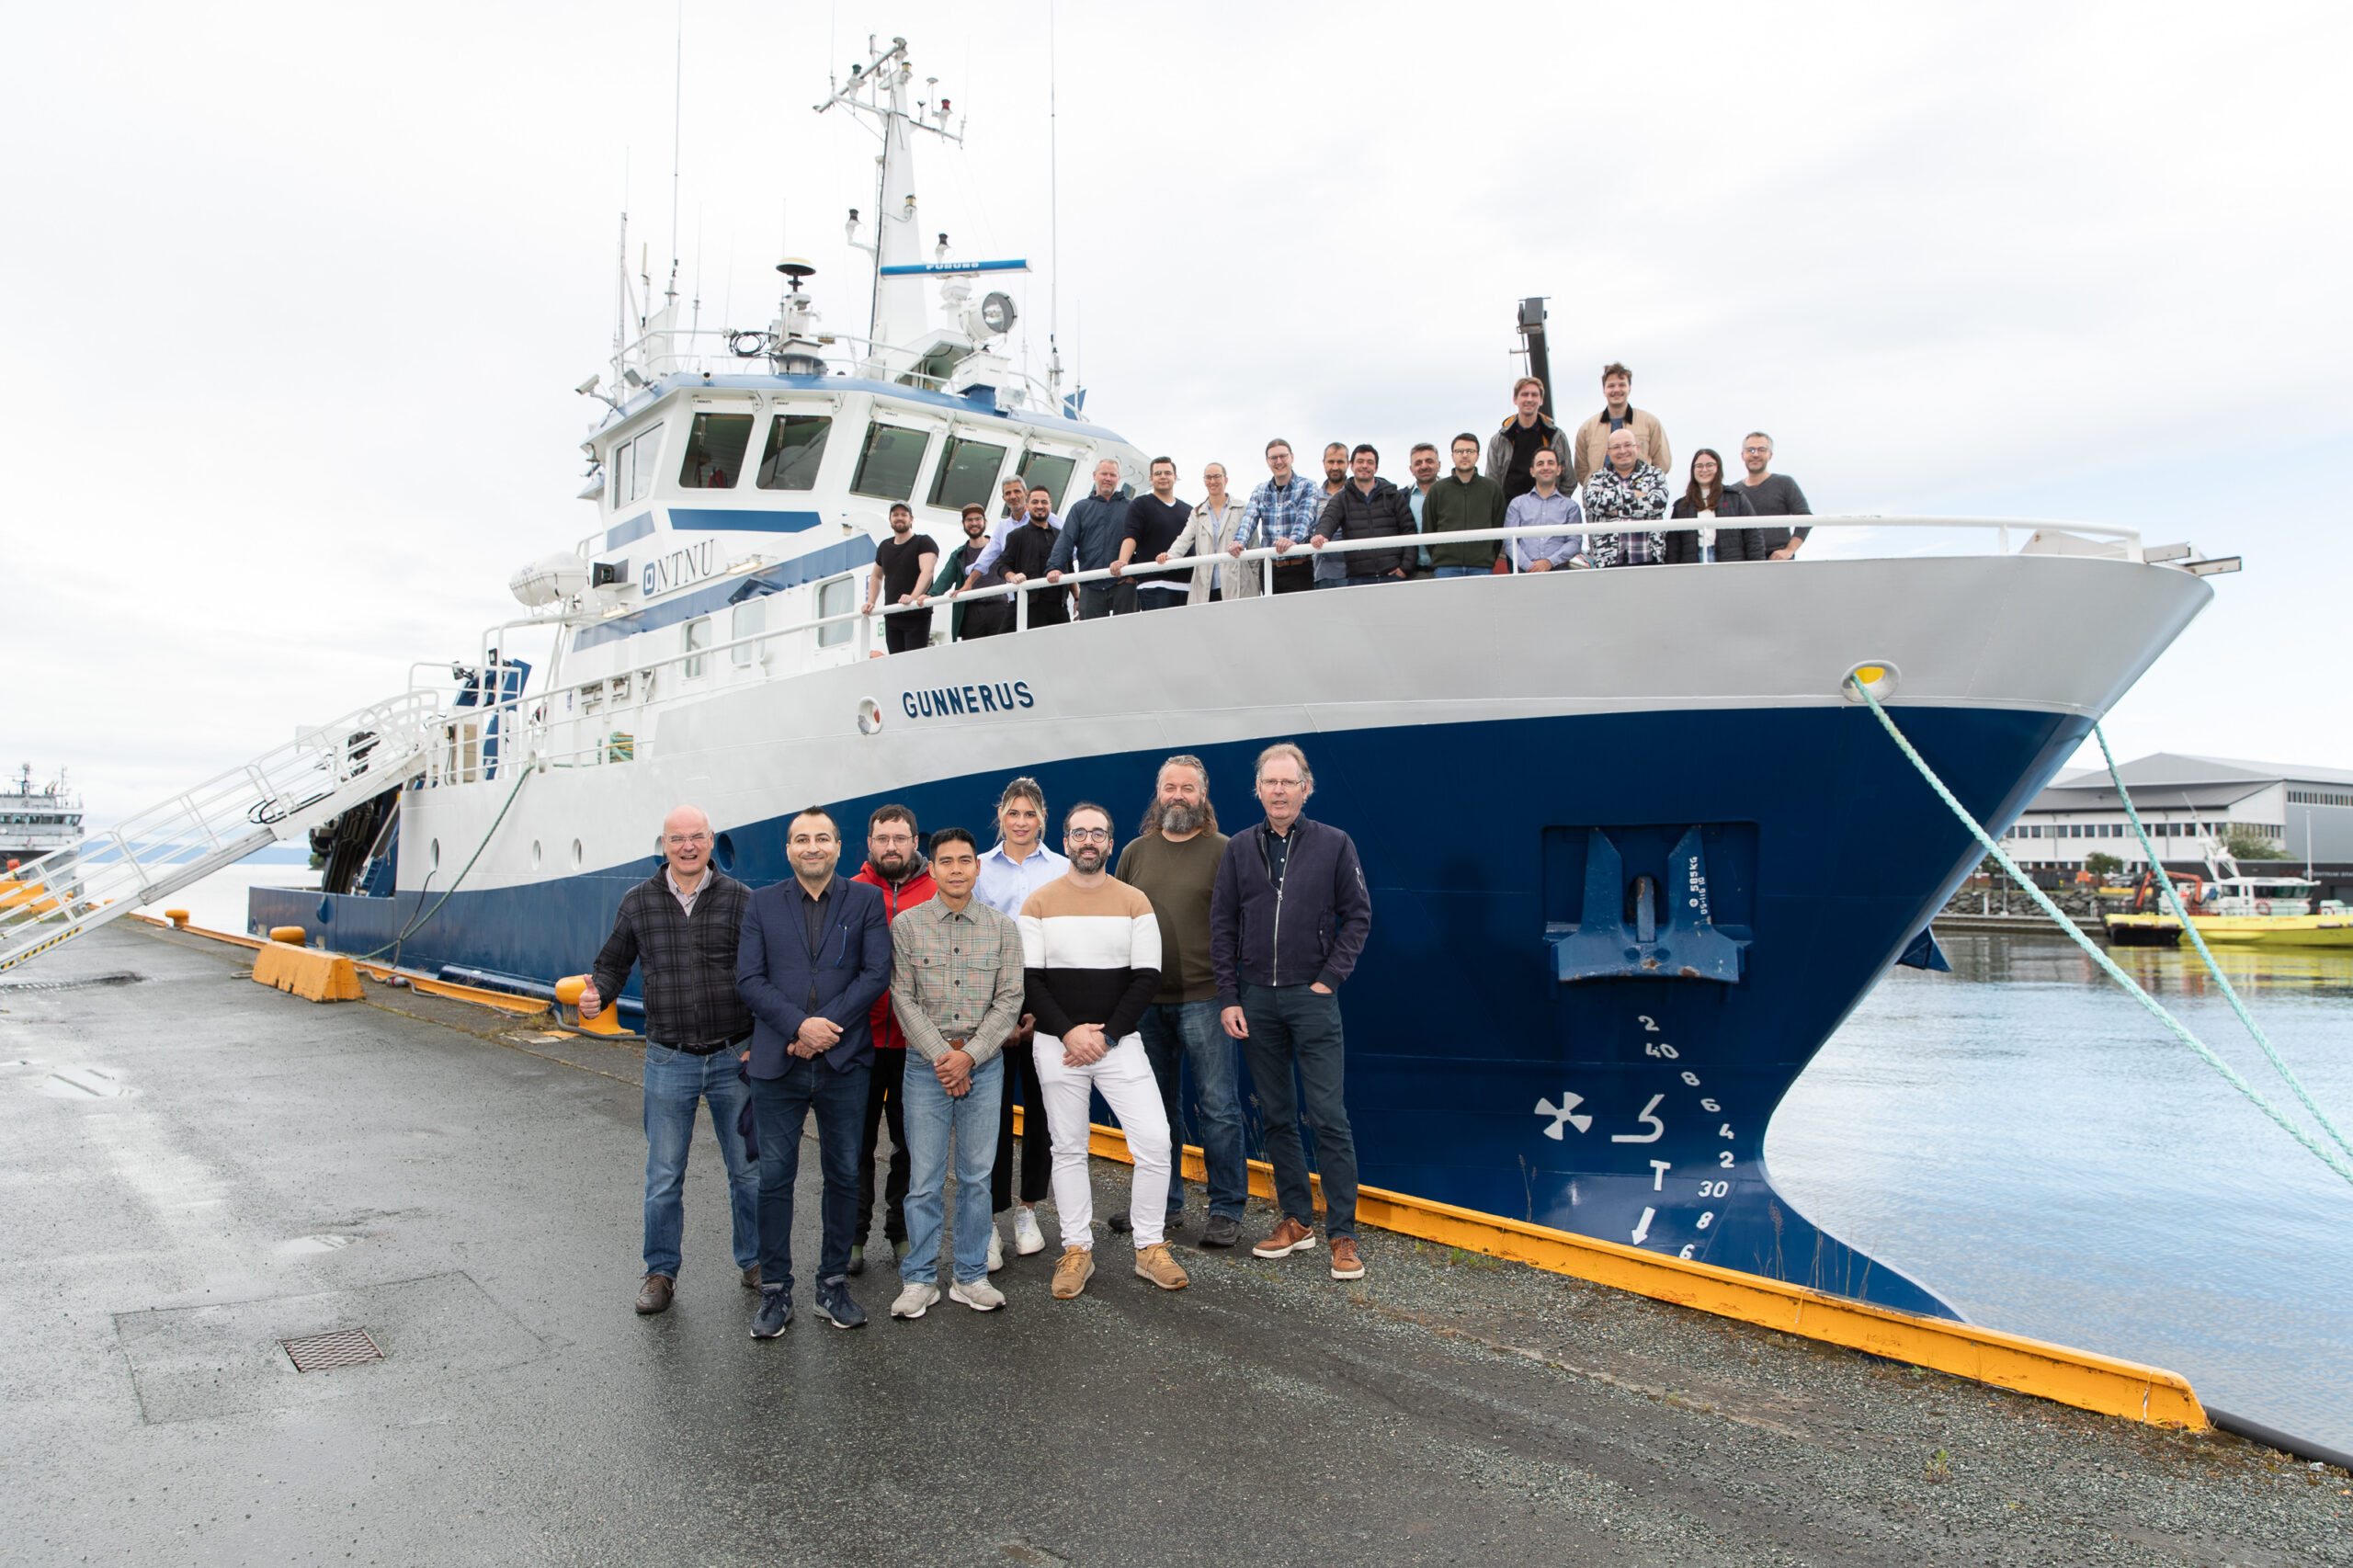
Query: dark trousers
[
  {"x": 883, "y": 1104},
  {"x": 1048, "y": 607},
  {"x": 781, "y": 1107},
  {"x": 1293, "y": 1030},
  {"x": 1037, "y": 1147},
  {"x": 1096, "y": 600},
  {"x": 907, "y": 631},
  {"x": 1293, "y": 576},
  {"x": 1159, "y": 599}
]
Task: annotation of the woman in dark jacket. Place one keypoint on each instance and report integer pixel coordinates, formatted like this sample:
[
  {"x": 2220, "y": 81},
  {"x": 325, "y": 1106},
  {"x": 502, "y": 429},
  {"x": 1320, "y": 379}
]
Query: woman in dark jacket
[{"x": 1706, "y": 500}]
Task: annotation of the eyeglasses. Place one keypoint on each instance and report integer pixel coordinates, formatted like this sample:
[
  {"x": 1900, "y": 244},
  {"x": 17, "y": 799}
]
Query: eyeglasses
[
  {"x": 680, "y": 840},
  {"x": 1087, "y": 835}
]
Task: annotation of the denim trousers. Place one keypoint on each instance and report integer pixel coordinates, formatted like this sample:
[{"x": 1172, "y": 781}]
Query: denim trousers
[
  {"x": 782, "y": 1107},
  {"x": 932, "y": 1116},
  {"x": 1176, "y": 1033},
  {"x": 675, "y": 1082},
  {"x": 1462, "y": 571},
  {"x": 1294, "y": 1029}
]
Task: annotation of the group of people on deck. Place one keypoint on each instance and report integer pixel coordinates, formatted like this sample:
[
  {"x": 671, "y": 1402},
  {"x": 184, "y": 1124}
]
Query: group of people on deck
[{"x": 1591, "y": 490}]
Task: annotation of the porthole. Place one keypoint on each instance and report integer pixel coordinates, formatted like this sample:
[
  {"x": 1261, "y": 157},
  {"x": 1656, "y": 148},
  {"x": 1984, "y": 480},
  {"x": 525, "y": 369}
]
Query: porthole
[
  {"x": 870, "y": 716},
  {"x": 575, "y": 854},
  {"x": 722, "y": 854}
]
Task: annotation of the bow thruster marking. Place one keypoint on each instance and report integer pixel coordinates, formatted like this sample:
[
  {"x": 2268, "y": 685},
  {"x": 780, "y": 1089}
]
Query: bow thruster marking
[{"x": 1566, "y": 1111}]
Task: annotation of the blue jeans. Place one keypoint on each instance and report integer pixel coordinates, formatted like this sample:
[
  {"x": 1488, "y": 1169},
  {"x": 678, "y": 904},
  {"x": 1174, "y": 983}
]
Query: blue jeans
[
  {"x": 1460, "y": 571},
  {"x": 1177, "y": 1032},
  {"x": 930, "y": 1116},
  {"x": 781, "y": 1107},
  {"x": 1293, "y": 1028},
  {"x": 675, "y": 1082}
]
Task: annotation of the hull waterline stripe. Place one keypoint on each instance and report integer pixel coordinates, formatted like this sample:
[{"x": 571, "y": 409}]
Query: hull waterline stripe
[
  {"x": 2155, "y": 1008},
  {"x": 2056, "y": 1372}
]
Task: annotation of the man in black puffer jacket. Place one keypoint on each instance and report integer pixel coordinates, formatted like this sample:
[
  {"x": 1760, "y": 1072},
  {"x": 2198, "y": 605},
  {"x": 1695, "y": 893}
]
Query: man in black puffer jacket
[{"x": 1367, "y": 507}]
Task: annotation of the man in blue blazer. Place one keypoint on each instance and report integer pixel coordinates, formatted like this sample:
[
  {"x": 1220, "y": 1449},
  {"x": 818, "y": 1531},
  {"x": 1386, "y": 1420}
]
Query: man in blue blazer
[{"x": 814, "y": 954}]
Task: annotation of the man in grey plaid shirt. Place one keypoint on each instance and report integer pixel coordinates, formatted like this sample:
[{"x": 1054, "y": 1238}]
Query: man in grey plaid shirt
[{"x": 956, "y": 990}]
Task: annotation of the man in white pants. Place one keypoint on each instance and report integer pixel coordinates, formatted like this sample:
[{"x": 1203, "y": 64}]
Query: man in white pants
[{"x": 1090, "y": 948}]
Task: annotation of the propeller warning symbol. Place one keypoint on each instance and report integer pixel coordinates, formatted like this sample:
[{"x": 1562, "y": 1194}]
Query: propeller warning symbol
[{"x": 1566, "y": 1112}]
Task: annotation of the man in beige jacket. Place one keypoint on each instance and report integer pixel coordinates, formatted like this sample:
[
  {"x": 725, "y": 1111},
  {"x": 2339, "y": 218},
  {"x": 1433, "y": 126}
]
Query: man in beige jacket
[{"x": 1593, "y": 436}]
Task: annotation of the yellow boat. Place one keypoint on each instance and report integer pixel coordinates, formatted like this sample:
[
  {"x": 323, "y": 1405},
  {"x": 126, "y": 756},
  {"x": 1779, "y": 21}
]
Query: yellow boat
[{"x": 2271, "y": 912}]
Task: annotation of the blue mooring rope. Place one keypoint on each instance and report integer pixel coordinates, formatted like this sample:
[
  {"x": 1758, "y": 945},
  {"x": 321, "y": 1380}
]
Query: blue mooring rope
[{"x": 2156, "y": 1009}]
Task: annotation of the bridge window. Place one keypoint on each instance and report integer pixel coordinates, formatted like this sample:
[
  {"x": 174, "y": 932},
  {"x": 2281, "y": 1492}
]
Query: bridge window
[
  {"x": 837, "y": 597},
  {"x": 887, "y": 464},
  {"x": 968, "y": 473},
  {"x": 715, "y": 445},
  {"x": 632, "y": 468},
  {"x": 1051, "y": 471},
  {"x": 796, "y": 445}
]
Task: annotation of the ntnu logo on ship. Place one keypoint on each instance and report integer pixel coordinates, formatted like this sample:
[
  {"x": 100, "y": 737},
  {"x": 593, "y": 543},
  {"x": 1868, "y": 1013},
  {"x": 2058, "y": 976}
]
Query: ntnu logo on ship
[{"x": 945, "y": 702}]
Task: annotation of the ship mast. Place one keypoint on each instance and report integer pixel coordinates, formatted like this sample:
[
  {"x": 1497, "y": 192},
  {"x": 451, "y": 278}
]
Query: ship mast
[{"x": 878, "y": 90}]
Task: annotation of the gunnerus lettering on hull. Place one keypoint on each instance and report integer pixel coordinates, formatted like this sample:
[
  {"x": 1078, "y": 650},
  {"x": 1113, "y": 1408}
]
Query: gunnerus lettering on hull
[{"x": 965, "y": 701}]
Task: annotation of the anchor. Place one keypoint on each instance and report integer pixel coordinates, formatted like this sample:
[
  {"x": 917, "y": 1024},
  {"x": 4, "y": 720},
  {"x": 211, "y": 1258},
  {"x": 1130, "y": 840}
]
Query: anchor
[{"x": 1688, "y": 946}]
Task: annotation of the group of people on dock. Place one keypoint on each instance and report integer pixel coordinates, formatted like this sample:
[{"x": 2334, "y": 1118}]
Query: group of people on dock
[
  {"x": 1590, "y": 489},
  {"x": 933, "y": 990}
]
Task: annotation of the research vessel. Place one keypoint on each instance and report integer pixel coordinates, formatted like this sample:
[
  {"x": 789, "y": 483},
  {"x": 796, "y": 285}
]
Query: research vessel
[{"x": 1633, "y": 845}]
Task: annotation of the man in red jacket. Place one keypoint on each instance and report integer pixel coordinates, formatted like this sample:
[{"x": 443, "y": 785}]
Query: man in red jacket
[{"x": 895, "y": 864}]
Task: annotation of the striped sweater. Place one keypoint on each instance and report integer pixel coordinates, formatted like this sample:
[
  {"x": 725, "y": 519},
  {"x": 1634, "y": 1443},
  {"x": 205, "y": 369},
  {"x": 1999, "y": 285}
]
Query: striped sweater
[{"x": 1089, "y": 956}]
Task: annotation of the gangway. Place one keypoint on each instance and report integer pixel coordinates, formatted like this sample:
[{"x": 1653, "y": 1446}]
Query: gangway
[{"x": 322, "y": 773}]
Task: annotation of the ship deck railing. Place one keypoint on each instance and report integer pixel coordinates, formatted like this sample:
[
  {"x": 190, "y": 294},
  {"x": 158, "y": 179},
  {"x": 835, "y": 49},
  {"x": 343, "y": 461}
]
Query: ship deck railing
[{"x": 480, "y": 743}]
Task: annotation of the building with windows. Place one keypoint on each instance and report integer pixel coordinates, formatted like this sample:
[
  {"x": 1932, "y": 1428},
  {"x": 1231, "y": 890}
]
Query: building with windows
[{"x": 2190, "y": 805}]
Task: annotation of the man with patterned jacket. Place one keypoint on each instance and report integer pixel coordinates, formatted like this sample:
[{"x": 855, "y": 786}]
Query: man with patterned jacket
[
  {"x": 1625, "y": 489},
  {"x": 896, "y": 865},
  {"x": 1090, "y": 953}
]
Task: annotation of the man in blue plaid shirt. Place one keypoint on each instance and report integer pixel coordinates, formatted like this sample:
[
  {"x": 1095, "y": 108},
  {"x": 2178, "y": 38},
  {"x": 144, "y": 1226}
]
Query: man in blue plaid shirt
[{"x": 1282, "y": 513}]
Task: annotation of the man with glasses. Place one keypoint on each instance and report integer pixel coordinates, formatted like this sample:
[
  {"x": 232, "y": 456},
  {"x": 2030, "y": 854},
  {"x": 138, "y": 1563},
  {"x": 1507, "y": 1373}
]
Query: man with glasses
[
  {"x": 1281, "y": 515},
  {"x": 678, "y": 928},
  {"x": 1772, "y": 494},
  {"x": 1090, "y": 953}
]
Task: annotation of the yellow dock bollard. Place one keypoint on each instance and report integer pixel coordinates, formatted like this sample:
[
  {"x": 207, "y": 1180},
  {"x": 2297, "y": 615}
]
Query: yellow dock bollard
[
  {"x": 608, "y": 1022},
  {"x": 178, "y": 917},
  {"x": 293, "y": 935}
]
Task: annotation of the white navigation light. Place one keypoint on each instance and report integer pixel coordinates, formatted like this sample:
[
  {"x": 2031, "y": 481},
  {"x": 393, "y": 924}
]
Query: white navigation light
[
  {"x": 549, "y": 580},
  {"x": 997, "y": 313}
]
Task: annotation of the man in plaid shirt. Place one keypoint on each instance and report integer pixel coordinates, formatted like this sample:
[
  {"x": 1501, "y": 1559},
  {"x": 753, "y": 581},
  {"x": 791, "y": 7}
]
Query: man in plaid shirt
[
  {"x": 1282, "y": 513},
  {"x": 679, "y": 928},
  {"x": 956, "y": 991}
]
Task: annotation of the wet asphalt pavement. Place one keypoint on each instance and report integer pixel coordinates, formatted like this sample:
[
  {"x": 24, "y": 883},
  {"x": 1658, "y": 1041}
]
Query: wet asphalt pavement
[{"x": 195, "y": 1168}]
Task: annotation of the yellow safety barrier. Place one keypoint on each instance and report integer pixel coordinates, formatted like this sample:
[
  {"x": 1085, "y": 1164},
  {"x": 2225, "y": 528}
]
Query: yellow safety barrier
[
  {"x": 2056, "y": 1372},
  {"x": 607, "y": 1023},
  {"x": 307, "y": 973},
  {"x": 23, "y": 898}
]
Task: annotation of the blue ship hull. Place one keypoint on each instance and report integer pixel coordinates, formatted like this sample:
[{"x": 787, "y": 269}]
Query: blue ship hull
[{"x": 1630, "y": 1108}]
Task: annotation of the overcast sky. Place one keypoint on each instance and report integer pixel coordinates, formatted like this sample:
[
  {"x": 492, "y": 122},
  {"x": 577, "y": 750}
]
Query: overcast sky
[{"x": 302, "y": 291}]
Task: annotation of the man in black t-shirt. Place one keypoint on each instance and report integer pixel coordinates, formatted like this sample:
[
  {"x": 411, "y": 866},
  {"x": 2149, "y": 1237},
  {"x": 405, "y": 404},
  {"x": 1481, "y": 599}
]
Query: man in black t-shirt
[
  {"x": 902, "y": 566},
  {"x": 1154, "y": 523},
  {"x": 1772, "y": 496}
]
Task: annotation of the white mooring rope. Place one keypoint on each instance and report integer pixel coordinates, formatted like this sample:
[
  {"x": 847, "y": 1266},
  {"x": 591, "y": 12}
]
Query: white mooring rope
[{"x": 2155, "y": 1008}]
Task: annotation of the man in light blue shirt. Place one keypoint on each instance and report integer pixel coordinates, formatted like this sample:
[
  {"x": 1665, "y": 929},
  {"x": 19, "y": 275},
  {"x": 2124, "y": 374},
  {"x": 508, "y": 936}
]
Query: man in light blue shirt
[
  {"x": 1546, "y": 506},
  {"x": 1017, "y": 867}
]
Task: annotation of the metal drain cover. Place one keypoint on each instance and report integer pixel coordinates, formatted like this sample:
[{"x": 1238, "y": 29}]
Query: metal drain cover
[
  {"x": 318, "y": 1352},
  {"x": 120, "y": 977}
]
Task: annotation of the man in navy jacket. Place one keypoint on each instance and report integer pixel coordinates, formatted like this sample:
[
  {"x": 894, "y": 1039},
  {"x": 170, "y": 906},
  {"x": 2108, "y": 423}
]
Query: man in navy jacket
[{"x": 814, "y": 955}]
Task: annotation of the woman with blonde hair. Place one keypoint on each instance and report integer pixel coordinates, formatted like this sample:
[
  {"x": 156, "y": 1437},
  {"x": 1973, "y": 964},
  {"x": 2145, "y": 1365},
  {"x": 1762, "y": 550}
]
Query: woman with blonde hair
[{"x": 1217, "y": 525}]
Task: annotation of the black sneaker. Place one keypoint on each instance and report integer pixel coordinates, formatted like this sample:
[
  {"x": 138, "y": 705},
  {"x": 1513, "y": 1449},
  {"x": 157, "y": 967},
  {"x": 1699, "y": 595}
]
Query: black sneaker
[
  {"x": 1118, "y": 1222},
  {"x": 1222, "y": 1230},
  {"x": 856, "y": 1261},
  {"x": 833, "y": 1304},
  {"x": 776, "y": 1311}
]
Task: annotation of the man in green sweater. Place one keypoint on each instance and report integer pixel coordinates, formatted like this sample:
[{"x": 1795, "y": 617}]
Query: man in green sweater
[
  {"x": 1172, "y": 861},
  {"x": 1464, "y": 500}
]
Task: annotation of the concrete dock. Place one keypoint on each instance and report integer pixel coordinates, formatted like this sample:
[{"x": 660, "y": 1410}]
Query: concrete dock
[{"x": 196, "y": 1168}]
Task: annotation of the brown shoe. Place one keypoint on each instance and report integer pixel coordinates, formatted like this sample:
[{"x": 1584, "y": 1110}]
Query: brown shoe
[
  {"x": 752, "y": 1278},
  {"x": 1071, "y": 1275},
  {"x": 1346, "y": 1264},
  {"x": 1290, "y": 1236},
  {"x": 653, "y": 1296},
  {"x": 1157, "y": 1264}
]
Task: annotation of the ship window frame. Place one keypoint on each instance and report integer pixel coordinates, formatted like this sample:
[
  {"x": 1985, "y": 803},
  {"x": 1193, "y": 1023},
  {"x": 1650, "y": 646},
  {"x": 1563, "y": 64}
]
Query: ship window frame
[
  {"x": 875, "y": 426},
  {"x": 631, "y": 466},
  {"x": 839, "y": 635},
  {"x": 693, "y": 638},
  {"x": 814, "y": 455},
  {"x": 944, "y": 470},
  {"x": 698, "y": 437},
  {"x": 747, "y": 618},
  {"x": 1060, "y": 494}
]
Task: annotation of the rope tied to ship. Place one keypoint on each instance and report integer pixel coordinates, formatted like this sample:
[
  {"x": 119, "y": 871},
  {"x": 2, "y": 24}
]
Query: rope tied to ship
[{"x": 2156, "y": 1009}]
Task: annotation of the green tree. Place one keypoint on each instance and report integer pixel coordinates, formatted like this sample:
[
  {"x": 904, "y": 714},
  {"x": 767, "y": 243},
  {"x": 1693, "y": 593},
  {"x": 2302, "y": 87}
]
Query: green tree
[
  {"x": 2100, "y": 864},
  {"x": 2243, "y": 843}
]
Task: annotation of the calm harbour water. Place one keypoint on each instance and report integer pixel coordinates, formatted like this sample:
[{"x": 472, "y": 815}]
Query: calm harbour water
[{"x": 2019, "y": 1136}]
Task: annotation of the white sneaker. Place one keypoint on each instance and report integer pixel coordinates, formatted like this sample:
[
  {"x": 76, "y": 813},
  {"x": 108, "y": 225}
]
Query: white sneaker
[
  {"x": 1028, "y": 1239},
  {"x": 996, "y": 1249},
  {"x": 915, "y": 1300},
  {"x": 978, "y": 1295}
]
